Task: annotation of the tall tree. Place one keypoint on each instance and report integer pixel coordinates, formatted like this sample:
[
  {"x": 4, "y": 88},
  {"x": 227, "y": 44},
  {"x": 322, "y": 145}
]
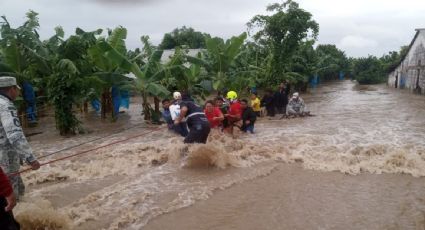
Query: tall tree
[
  {"x": 184, "y": 36},
  {"x": 219, "y": 60},
  {"x": 283, "y": 31},
  {"x": 333, "y": 59}
]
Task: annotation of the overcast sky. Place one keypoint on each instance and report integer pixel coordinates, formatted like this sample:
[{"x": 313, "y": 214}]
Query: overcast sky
[{"x": 359, "y": 27}]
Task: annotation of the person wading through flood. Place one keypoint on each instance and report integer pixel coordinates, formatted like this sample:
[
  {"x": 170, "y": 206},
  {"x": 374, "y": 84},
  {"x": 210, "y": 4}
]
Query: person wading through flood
[
  {"x": 235, "y": 112},
  {"x": 281, "y": 99},
  {"x": 224, "y": 108},
  {"x": 268, "y": 102},
  {"x": 297, "y": 107},
  {"x": 256, "y": 104},
  {"x": 14, "y": 147},
  {"x": 199, "y": 127},
  {"x": 7, "y": 203},
  {"x": 181, "y": 127},
  {"x": 214, "y": 115},
  {"x": 248, "y": 117}
]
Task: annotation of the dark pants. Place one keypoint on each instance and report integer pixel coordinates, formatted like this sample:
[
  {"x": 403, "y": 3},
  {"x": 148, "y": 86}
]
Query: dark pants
[
  {"x": 270, "y": 111},
  {"x": 198, "y": 133},
  {"x": 248, "y": 128},
  {"x": 181, "y": 129},
  {"x": 7, "y": 221},
  {"x": 281, "y": 108}
]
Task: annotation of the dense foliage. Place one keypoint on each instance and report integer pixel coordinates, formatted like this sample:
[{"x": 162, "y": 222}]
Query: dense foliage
[
  {"x": 184, "y": 36},
  {"x": 373, "y": 70},
  {"x": 282, "y": 33}
]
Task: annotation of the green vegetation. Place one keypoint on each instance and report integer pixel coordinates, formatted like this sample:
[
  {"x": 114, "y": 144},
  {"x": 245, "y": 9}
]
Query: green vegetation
[
  {"x": 184, "y": 36},
  {"x": 373, "y": 70},
  {"x": 85, "y": 66},
  {"x": 282, "y": 34}
]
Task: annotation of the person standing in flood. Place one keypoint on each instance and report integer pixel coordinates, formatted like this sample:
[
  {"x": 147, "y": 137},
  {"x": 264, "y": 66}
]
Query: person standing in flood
[
  {"x": 248, "y": 117},
  {"x": 214, "y": 115},
  {"x": 235, "y": 111},
  {"x": 221, "y": 104},
  {"x": 297, "y": 107},
  {"x": 199, "y": 127},
  {"x": 281, "y": 99},
  {"x": 256, "y": 104},
  {"x": 268, "y": 102},
  {"x": 14, "y": 147},
  {"x": 7, "y": 203},
  {"x": 181, "y": 127}
]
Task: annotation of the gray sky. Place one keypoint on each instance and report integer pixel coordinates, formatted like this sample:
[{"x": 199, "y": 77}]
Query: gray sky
[{"x": 359, "y": 27}]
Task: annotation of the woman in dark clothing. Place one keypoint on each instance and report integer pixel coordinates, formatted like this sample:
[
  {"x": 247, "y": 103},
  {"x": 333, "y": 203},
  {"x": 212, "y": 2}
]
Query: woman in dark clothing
[
  {"x": 248, "y": 117},
  {"x": 281, "y": 99},
  {"x": 268, "y": 102}
]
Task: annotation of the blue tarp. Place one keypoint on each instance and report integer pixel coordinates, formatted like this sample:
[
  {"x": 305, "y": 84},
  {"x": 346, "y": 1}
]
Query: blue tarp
[
  {"x": 341, "y": 75},
  {"x": 96, "y": 105},
  {"x": 119, "y": 99},
  {"x": 116, "y": 99},
  {"x": 125, "y": 99},
  {"x": 314, "y": 81},
  {"x": 29, "y": 97}
]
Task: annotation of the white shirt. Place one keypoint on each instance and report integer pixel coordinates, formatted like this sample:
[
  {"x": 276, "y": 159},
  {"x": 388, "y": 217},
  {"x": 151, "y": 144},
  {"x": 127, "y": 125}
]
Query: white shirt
[{"x": 174, "y": 111}]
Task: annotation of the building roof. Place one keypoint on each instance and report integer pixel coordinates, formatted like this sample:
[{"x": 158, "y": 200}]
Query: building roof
[
  {"x": 166, "y": 56},
  {"x": 408, "y": 50}
]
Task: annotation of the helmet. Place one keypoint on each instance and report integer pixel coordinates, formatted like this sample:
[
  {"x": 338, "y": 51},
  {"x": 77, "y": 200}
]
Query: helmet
[
  {"x": 232, "y": 95},
  {"x": 177, "y": 95}
]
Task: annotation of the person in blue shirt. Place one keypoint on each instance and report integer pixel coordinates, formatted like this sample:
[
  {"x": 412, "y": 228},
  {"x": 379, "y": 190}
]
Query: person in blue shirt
[
  {"x": 181, "y": 128},
  {"x": 166, "y": 115}
]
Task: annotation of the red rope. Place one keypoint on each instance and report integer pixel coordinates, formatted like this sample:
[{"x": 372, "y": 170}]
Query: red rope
[{"x": 86, "y": 151}]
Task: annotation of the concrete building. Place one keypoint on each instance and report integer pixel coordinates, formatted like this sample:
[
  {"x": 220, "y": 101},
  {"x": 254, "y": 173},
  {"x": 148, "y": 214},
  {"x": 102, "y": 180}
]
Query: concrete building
[{"x": 410, "y": 73}]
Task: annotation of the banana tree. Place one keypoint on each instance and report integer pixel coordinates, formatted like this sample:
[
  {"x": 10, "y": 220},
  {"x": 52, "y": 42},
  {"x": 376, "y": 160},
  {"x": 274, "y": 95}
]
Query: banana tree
[
  {"x": 219, "y": 59},
  {"x": 110, "y": 72},
  {"x": 149, "y": 76},
  {"x": 23, "y": 56},
  {"x": 189, "y": 77}
]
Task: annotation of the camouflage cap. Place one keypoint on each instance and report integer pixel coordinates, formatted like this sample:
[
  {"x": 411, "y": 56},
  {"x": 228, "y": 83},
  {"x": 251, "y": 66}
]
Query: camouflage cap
[{"x": 6, "y": 81}]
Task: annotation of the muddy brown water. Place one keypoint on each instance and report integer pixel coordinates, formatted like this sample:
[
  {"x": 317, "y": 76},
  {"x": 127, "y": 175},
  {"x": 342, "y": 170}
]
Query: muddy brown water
[{"x": 358, "y": 164}]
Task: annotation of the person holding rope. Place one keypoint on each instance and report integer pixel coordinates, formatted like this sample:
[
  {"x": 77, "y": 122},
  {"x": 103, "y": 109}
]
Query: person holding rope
[
  {"x": 14, "y": 147},
  {"x": 235, "y": 112},
  {"x": 199, "y": 127},
  {"x": 181, "y": 127}
]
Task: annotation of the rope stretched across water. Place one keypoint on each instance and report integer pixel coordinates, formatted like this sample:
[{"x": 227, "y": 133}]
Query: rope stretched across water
[
  {"x": 87, "y": 151},
  {"x": 90, "y": 141}
]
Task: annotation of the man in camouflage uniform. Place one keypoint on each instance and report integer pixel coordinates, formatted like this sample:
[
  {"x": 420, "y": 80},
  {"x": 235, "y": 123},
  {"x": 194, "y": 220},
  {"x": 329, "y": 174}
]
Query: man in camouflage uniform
[
  {"x": 297, "y": 107},
  {"x": 14, "y": 147}
]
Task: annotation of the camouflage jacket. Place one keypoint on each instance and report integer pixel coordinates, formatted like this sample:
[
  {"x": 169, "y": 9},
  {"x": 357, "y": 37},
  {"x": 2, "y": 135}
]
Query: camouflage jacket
[
  {"x": 296, "y": 104},
  {"x": 13, "y": 143}
]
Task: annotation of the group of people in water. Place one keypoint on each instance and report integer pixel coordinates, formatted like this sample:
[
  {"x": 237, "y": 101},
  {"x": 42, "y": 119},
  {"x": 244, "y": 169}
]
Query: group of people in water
[{"x": 194, "y": 122}]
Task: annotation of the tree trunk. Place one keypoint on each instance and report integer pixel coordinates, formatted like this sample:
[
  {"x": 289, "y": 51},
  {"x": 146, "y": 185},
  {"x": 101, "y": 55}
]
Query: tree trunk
[
  {"x": 146, "y": 107},
  {"x": 156, "y": 101},
  {"x": 106, "y": 103},
  {"x": 86, "y": 107}
]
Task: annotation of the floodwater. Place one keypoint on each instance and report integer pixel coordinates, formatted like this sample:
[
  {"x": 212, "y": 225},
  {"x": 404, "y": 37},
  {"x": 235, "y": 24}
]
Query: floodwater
[{"x": 358, "y": 164}]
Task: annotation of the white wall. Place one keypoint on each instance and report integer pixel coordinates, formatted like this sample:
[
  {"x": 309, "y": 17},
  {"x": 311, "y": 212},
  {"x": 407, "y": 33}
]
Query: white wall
[{"x": 409, "y": 69}]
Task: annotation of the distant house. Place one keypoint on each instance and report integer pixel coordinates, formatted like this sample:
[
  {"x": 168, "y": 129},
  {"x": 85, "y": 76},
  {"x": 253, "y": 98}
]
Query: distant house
[
  {"x": 166, "y": 56},
  {"x": 410, "y": 73}
]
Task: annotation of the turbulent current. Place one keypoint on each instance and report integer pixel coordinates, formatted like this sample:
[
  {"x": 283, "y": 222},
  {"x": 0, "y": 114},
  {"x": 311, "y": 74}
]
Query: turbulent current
[{"x": 359, "y": 163}]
